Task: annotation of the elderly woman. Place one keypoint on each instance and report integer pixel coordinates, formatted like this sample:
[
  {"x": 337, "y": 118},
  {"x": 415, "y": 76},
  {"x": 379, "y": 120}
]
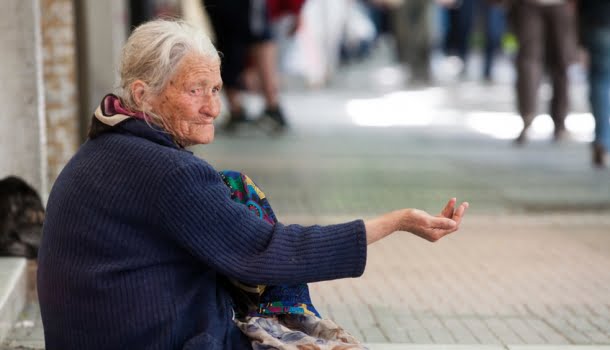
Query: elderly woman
[{"x": 141, "y": 236}]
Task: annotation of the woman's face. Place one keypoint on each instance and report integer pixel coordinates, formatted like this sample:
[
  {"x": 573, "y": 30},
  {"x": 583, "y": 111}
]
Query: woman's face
[{"x": 191, "y": 100}]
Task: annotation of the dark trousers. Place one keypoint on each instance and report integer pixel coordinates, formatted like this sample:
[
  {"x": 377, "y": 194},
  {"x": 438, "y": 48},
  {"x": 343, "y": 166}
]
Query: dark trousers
[
  {"x": 411, "y": 26},
  {"x": 461, "y": 22},
  {"x": 546, "y": 42},
  {"x": 597, "y": 42}
]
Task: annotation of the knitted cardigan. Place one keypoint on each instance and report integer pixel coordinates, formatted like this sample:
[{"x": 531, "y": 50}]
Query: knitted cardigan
[{"x": 140, "y": 235}]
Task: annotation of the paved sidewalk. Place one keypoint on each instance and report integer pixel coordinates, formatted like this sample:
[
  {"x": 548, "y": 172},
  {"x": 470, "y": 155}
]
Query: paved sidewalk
[{"x": 500, "y": 280}]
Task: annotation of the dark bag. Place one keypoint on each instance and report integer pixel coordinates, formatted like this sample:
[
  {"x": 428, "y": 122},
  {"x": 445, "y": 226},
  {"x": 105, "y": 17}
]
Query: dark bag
[{"x": 21, "y": 218}]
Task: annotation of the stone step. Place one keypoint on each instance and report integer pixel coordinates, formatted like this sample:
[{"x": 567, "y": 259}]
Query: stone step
[{"x": 13, "y": 292}]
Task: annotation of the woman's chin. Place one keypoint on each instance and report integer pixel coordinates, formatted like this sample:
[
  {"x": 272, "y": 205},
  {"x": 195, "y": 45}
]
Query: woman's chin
[
  {"x": 210, "y": 139},
  {"x": 207, "y": 137},
  {"x": 203, "y": 137}
]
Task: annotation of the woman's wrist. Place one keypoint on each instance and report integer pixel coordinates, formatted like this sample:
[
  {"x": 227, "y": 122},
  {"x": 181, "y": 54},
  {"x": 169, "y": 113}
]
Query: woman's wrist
[
  {"x": 385, "y": 225},
  {"x": 405, "y": 222}
]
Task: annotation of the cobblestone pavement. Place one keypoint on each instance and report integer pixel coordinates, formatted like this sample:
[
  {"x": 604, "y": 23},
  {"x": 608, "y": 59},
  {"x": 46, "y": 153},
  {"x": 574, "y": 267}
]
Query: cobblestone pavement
[
  {"x": 530, "y": 265},
  {"x": 500, "y": 280}
]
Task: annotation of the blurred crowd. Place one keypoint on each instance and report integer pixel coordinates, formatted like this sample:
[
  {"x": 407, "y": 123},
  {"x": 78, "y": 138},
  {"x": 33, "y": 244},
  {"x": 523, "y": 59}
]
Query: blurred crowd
[{"x": 263, "y": 39}]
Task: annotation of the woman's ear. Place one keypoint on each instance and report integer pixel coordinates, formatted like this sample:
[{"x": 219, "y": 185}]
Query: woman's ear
[{"x": 138, "y": 92}]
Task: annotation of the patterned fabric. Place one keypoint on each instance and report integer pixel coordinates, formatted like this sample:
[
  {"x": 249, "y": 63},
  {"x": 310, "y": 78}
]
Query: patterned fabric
[
  {"x": 297, "y": 332},
  {"x": 245, "y": 191},
  {"x": 263, "y": 300},
  {"x": 110, "y": 113}
]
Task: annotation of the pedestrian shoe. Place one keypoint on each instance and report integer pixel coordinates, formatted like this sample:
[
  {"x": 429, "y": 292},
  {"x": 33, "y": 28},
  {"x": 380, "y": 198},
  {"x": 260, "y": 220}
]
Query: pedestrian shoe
[
  {"x": 235, "y": 119},
  {"x": 561, "y": 135},
  {"x": 522, "y": 138},
  {"x": 273, "y": 120},
  {"x": 600, "y": 156}
]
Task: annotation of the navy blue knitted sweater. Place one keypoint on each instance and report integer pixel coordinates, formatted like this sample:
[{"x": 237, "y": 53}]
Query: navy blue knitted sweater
[{"x": 138, "y": 236}]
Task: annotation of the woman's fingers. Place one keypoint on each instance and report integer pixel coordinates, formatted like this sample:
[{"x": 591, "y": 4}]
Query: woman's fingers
[
  {"x": 433, "y": 228},
  {"x": 437, "y": 228},
  {"x": 445, "y": 224},
  {"x": 449, "y": 208},
  {"x": 459, "y": 212}
]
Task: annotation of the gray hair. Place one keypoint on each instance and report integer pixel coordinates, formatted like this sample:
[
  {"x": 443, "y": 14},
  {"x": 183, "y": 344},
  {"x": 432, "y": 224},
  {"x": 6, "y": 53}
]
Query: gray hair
[{"x": 153, "y": 52}]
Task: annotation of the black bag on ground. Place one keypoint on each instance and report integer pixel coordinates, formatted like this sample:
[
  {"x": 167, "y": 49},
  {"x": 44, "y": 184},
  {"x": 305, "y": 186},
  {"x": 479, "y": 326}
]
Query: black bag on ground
[{"x": 21, "y": 218}]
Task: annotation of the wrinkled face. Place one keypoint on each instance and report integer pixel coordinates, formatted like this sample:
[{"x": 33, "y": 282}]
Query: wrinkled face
[{"x": 191, "y": 100}]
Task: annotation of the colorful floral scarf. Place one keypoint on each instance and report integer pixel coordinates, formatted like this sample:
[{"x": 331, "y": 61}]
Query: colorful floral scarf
[{"x": 263, "y": 300}]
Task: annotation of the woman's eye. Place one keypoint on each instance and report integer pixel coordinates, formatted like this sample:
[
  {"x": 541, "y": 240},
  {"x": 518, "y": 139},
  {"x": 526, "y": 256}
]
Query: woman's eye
[{"x": 196, "y": 91}]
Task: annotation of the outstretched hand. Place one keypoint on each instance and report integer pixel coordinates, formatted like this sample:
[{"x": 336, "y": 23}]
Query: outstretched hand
[
  {"x": 433, "y": 228},
  {"x": 418, "y": 222}
]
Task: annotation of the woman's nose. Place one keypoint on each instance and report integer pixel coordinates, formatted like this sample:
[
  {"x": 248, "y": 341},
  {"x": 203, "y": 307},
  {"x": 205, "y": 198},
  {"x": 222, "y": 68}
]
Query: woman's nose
[{"x": 211, "y": 107}]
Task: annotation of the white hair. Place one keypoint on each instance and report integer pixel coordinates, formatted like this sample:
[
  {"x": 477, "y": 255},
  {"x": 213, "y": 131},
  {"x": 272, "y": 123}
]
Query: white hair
[{"x": 153, "y": 52}]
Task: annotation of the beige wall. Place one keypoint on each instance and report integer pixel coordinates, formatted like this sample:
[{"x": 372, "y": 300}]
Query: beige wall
[
  {"x": 105, "y": 33},
  {"x": 22, "y": 124}
]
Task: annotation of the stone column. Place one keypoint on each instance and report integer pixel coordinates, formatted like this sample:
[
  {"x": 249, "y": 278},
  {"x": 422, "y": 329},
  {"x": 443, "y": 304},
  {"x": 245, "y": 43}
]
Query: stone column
[{"x": 23, "y": 129}]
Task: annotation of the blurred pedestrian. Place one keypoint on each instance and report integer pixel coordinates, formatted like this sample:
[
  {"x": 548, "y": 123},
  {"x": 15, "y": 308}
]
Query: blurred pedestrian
[
  {"x": 463, "y": 16},
  {"x": 141, "y": 11},
  {"x": 594, "y": 30},
  {"x": 545, "y": 30},
  {"x": 285, "y": 10},
  {"x": 412, "y": 25},
  {"x": 286, "y": 22},
  {"x": 242, "y": 28},
  {"x": 367, "y": 21},
  {"x": 266, "y": 59}
]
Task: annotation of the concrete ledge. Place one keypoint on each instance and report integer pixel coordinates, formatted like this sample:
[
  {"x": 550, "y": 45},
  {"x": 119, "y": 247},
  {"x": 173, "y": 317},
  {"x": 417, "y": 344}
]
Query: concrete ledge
[{"x": 13, "y": 284}]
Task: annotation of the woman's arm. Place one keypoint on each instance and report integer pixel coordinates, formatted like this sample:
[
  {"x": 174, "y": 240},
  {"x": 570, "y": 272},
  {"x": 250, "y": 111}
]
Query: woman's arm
[
  {"x": 418, "y": 222},
  {"x": 196, "y": 212}
]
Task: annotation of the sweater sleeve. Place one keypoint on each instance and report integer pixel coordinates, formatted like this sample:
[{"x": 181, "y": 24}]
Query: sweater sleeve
[{"x": 197, "y": 212}]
